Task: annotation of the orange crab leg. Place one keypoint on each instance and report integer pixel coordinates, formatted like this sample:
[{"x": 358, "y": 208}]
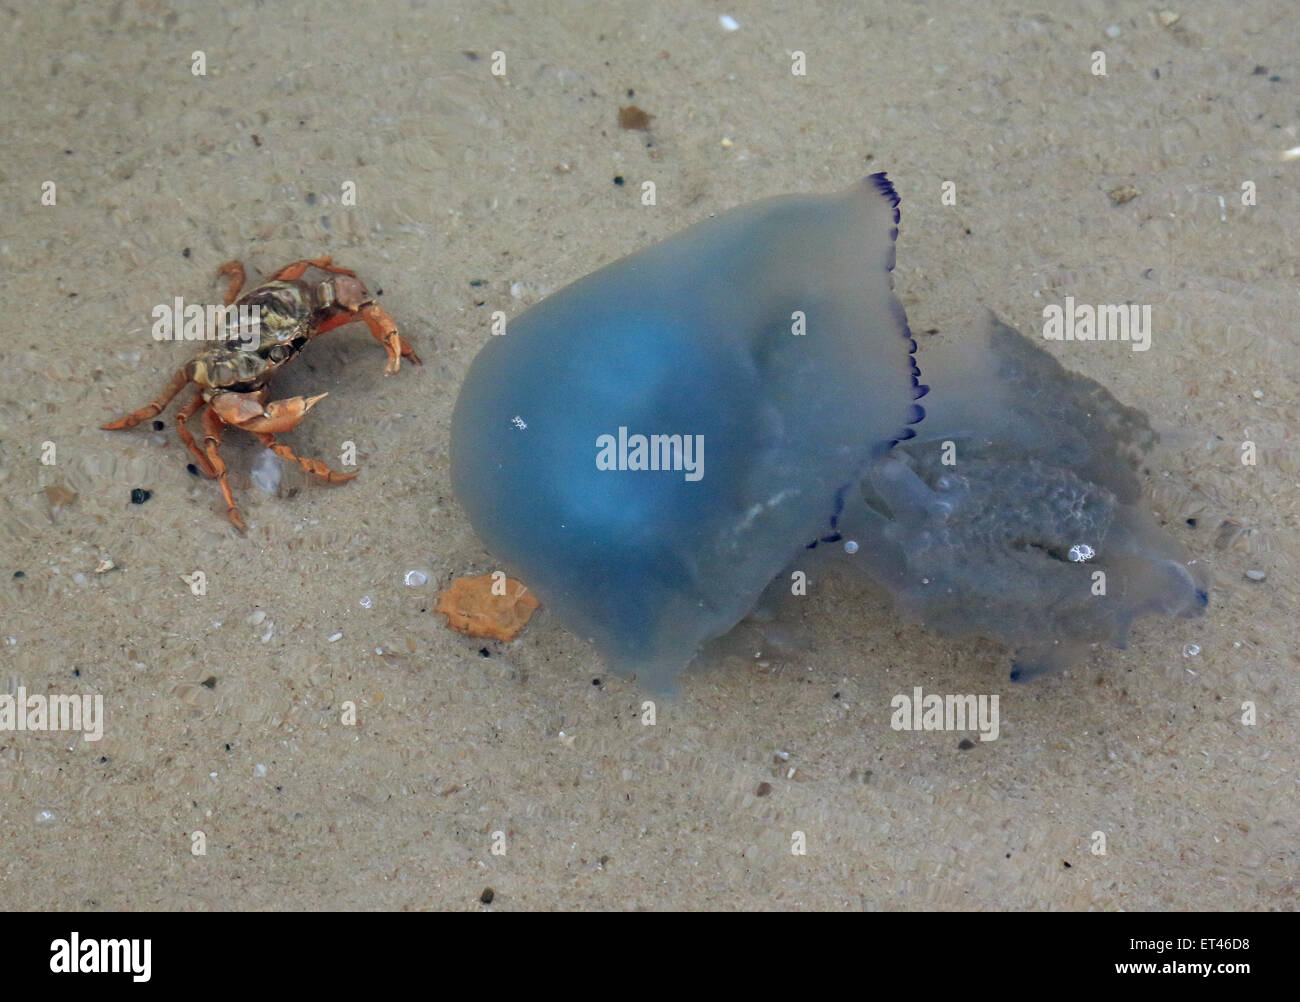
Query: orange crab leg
[
  {"x": 184, "y": 415},
  {"x": 152, "y": 409},
  {"x": 384, "y": 329},
  {"x": 212, "y": 427},
  {"x": 235, "y": 269},
  {"x": 313, "y": 466},
  {"x": 290, "y": 272}
]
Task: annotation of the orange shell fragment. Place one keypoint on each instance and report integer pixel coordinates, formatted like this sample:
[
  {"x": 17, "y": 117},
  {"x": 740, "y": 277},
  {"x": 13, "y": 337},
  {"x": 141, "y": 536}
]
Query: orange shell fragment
[{"x": 471, "y": 607}]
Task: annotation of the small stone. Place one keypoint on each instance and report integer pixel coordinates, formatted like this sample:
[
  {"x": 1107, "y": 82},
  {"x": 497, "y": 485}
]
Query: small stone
[
  {"x": 487, "y": 896},
  {"x": 634, "y": 119},
  {"x": 266, "y": 472},
  {"x": 472, "y": 606},
  {"x": 763, "y": 789},
  {"x": 1256, "y": 575}
]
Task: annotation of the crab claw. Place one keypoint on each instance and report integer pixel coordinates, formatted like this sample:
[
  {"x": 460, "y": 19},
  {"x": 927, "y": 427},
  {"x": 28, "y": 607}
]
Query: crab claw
[
  {"x": 246, "y": 412},
  {"x": 384, "y": 330},
  {"x": 282, "y": 415}
]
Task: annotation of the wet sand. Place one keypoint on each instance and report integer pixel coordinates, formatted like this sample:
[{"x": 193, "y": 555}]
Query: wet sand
[{"x": 477, "y": 193}]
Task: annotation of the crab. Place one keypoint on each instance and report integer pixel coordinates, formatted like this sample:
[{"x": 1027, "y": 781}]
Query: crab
[{"x": 232, "y": 376}]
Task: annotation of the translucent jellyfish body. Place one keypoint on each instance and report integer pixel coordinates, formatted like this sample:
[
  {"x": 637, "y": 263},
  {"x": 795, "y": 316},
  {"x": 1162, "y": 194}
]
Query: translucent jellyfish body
[{"x": 651, "y": 446}]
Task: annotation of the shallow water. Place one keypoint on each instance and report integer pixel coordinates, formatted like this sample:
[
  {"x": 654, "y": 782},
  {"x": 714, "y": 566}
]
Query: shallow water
[{"x": 477, "y": 193}]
